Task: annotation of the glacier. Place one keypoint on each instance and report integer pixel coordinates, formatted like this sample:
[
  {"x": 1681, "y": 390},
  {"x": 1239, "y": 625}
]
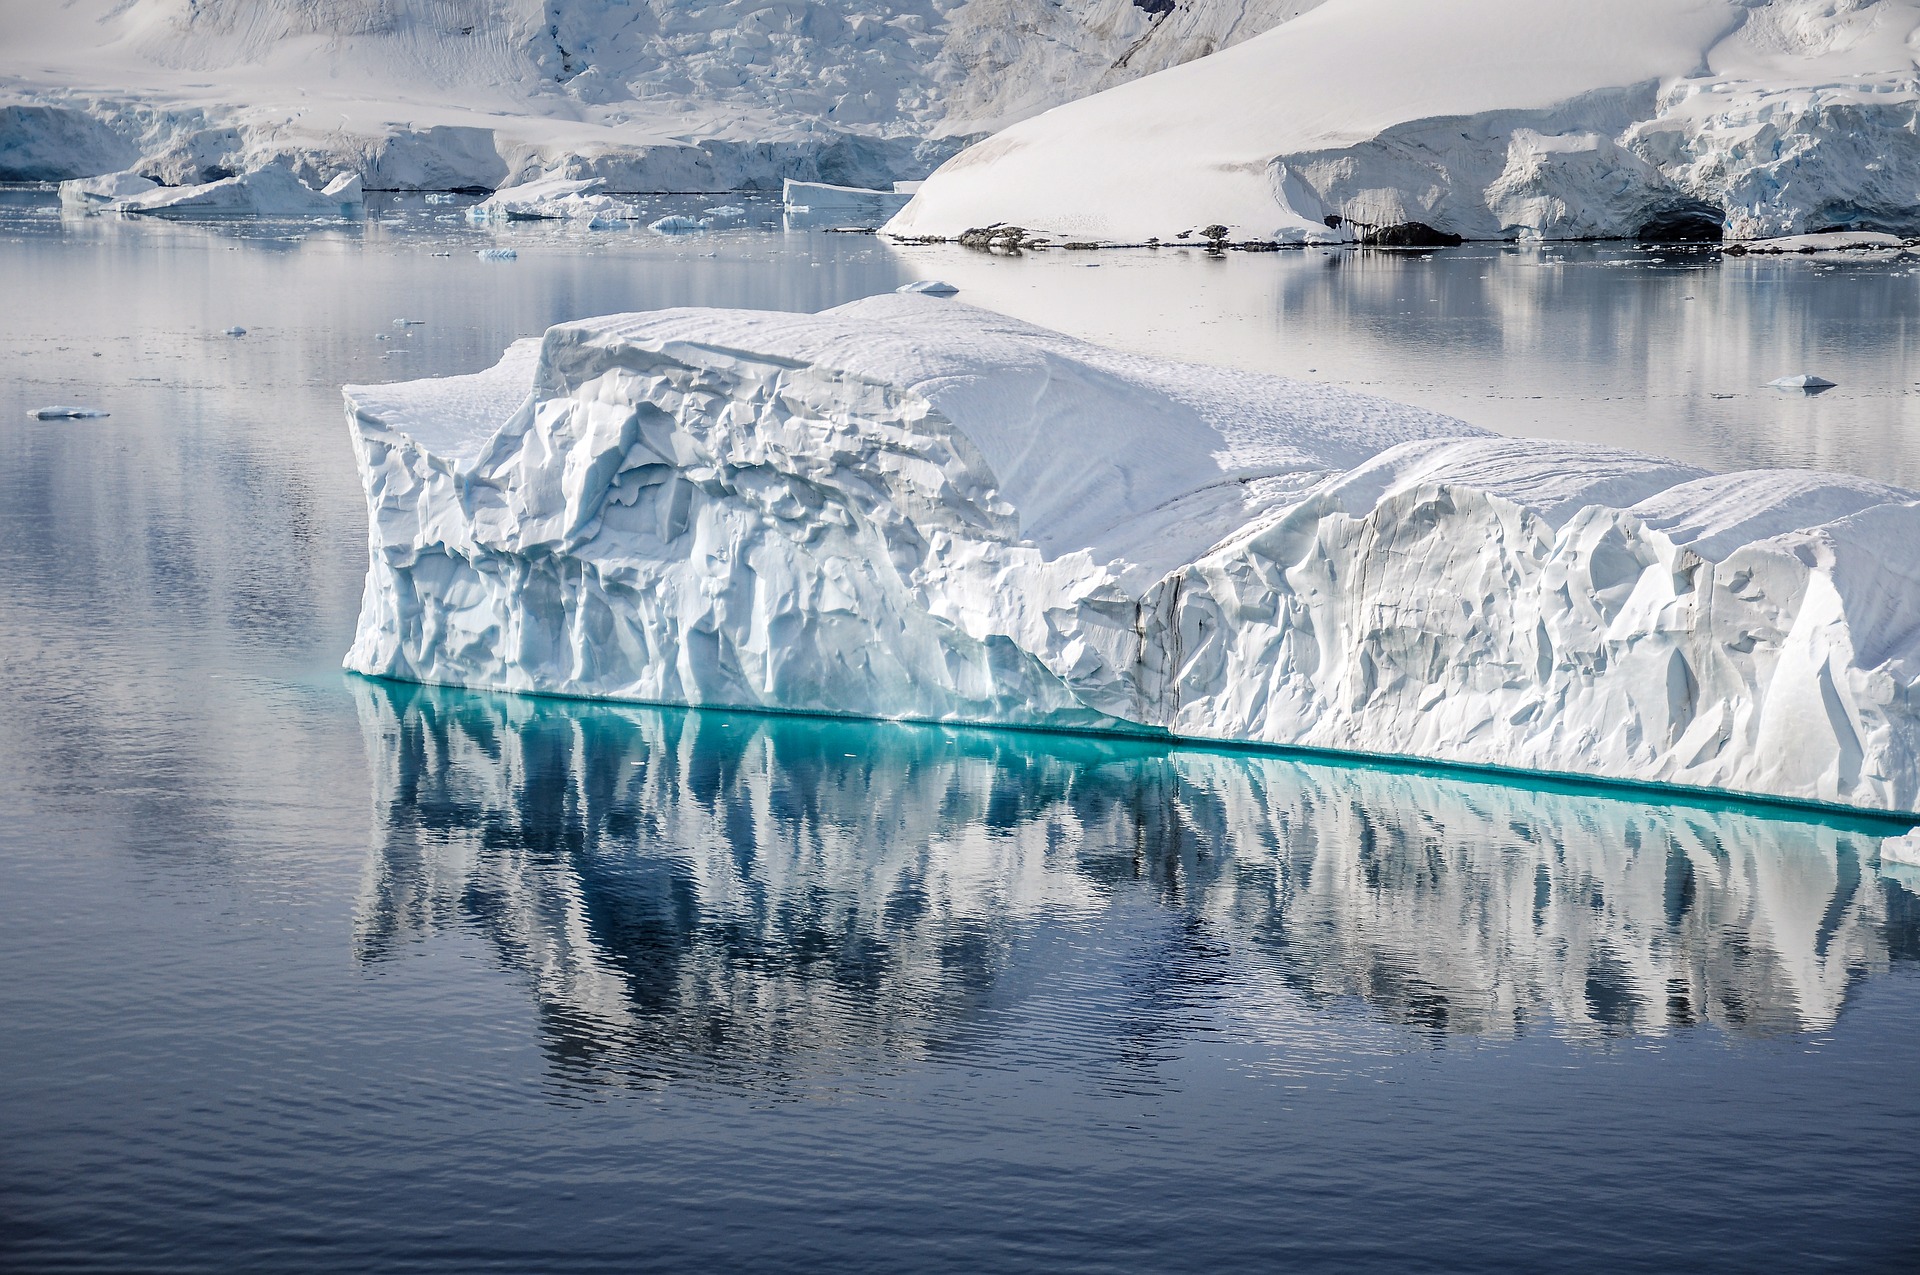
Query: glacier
[
  {"x": 1403, "y": 122},
  {"x": 910, "y": 508},
  {"x": 649, "y": 95}
]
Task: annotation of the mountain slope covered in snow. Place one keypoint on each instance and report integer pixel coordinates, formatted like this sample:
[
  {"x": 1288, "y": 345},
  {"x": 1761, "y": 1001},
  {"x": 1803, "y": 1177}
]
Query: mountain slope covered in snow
[
  {"x": 1489, "y": 120},
  {"x": 650, "y": 94}
]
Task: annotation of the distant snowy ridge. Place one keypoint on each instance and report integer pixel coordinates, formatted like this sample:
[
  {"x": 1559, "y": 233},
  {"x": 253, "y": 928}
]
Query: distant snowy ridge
[
  {"x": 910, "y": 508},
  {"x": 645, "y": 94},
  {"x": 1488, "y": 119}
]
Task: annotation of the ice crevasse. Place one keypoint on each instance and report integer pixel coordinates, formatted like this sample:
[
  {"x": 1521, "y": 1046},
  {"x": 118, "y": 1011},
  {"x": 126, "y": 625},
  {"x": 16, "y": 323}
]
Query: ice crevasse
[{"x": 910, "y": 508}]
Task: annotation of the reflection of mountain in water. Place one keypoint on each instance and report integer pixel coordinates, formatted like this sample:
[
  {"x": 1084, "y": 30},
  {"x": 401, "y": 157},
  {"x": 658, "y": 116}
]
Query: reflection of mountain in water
[{"x": 744, "y": 888}]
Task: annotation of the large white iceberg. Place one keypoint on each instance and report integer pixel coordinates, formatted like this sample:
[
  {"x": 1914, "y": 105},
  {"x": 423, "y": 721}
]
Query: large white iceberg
[
  {"x": 1494, "y": 119},
  {"x": 910, "y": 508}
]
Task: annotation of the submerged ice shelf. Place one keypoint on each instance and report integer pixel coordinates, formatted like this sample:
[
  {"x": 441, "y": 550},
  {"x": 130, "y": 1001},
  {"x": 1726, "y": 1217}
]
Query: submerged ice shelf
[{"x": 910, "y": 508}]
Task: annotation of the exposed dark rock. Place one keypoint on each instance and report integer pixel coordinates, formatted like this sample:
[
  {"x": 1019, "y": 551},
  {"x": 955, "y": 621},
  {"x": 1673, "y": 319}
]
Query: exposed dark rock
[{"x": 1409, "y": 234}]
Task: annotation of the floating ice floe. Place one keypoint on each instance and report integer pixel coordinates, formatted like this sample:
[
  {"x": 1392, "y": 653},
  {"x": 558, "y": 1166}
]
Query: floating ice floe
[
  {"x": 724, "y": 212},
  {"x": 235, "y": 330},
  {"x": 906, "y": 508},
  {"x": 63, "y": 413},
  {"x": 498, "y": 254},
  {"x": 1848, "y": 241},
  {"x": 273, "y": 190},
  {"x": 557, "y": 199},
  {"x": 677, "y": 225},
  {"x": 1804, "y": 381},
  {"x": 1408, "y": 122},
  {"x": 929, "y": 287}
]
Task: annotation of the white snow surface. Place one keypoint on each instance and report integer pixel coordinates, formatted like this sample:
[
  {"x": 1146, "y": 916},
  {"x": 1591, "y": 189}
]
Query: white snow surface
[
  {"x": 649, "y": 94},
  {"x": 910, "y": 508},
  {"x": 1492, "y": 119}
]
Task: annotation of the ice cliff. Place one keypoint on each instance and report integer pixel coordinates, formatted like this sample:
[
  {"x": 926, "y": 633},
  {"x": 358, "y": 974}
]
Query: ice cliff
[
  {"x": 1408, "y": 121},
  {"x": 909, "y": 508},
  {"x": 645, "y": 94}
]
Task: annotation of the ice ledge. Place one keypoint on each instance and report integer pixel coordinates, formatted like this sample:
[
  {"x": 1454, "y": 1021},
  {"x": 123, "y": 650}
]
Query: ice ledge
[{"x": 907, "y": 508}]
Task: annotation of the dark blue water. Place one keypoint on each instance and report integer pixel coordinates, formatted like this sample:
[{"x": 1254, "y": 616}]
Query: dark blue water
[{"x": 300, "y": 971}]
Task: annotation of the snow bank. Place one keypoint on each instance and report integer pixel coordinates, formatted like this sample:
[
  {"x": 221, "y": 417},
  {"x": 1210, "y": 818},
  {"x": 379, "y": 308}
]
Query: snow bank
[
  {"x": 1496, "y": 119},
  {"x": 270, "y": 191},
  {"x": 910, "y": 508}
]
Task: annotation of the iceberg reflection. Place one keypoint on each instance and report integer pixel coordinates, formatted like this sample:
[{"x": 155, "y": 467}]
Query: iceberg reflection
[{"x": 741, "y": 889}]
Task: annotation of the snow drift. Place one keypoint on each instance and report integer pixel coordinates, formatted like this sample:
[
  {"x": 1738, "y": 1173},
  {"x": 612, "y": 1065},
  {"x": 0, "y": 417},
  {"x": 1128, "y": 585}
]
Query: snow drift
[
  {"x": 1495, "y": 119},
  {"x": 909, "y": 508}
]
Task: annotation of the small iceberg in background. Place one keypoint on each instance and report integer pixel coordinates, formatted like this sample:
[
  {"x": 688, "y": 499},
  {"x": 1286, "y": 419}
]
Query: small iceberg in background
[
  {"x": 556, "y": 198},
  {"x": 817, "y": 203},
  {"x": 929, "y": 287},
  {"x": 1806, "y": 381},
  {"x": 235, "y": 330},
  {"x": 497, "y": 254},
  {"x": 677, "y": 225},
  {"x": 272, "y": 190},
  {"x": 724, "y": 212},
  {"x": 63, "y": 413}
]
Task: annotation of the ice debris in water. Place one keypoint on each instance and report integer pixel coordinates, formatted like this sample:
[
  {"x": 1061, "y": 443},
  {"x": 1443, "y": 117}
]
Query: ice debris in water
[
  {"x": 63, "y": 413},
  {"x": 846, "y": 512},
  {"x": 408, "y": 323},
  {"x": 929, "y": 287},
  {"x": 235, "y": 330},
  {"x": 497, "y": 254},
  {"x": 1805, "y": 381},
  {"x": 677, "y": 225},
  {"x": 724, "y": 211}
]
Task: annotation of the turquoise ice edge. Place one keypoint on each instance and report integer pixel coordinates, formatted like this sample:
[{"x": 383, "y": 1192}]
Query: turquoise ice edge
[{"x": 1879, "y": 823}]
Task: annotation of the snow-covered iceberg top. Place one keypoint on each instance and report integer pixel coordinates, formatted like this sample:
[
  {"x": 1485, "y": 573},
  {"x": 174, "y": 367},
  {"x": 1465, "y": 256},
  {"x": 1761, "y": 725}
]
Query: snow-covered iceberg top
[
  {"x": 272, "y": 190},
  {"x": 557, "y": 199},
  {"x": 1490, "y": 119},
  {"x": 910, "y": 508}
]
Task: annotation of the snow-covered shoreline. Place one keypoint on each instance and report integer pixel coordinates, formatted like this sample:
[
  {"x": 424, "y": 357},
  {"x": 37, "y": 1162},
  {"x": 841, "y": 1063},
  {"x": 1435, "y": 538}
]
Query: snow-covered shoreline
[
  {"x": 1403, "y": 122},
  {"x": 906, "y": 508}
]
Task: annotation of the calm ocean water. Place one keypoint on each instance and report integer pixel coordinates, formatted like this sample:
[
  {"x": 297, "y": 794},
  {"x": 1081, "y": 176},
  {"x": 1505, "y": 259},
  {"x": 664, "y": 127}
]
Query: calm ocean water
[{"x": 304, "y": 971}]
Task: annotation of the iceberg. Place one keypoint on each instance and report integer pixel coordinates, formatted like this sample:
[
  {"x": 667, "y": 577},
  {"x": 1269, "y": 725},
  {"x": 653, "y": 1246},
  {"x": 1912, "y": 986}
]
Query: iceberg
[
  {"x": 820, "y": 204},
  {"x": 1407, "y": 122},
  {"x": 555, "y": 199},
  {"x": 910, "y": 508},
  {"x": 93, "y": 194},
  {"x": 272, "y": 190}
]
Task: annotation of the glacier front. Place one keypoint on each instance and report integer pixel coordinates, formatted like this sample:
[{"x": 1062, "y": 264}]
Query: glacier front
[{"x": 910, "y": 508}]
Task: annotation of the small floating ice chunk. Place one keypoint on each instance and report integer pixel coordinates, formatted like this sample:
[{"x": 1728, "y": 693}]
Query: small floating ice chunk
[
  {"x": 408, "y": 323},
  {"x": 1805, "y": 381},
  {"x": 235, "y": 330},
  {"x": 59, "y": 412},
  {"x": 929, "y": 287},
  {"x": 724, "y": 211},
  {"x": 677, "y": 225},
  {"x": 498, "y": 254}
]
